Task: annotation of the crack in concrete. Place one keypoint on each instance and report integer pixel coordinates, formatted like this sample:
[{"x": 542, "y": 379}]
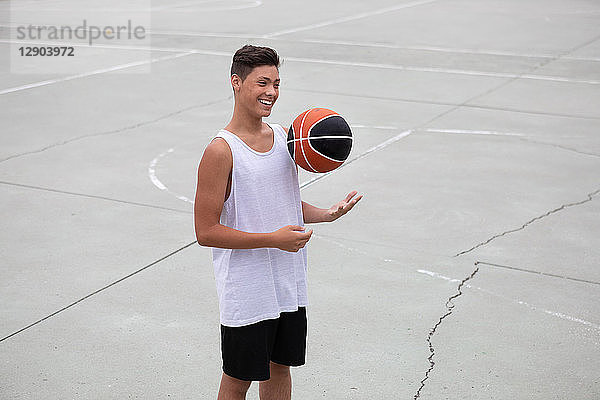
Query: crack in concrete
[
  {"x": 97, "y": 291},
  {"x": 115, "y": 131},
  {"x": 562, "y": 207},
  {"x": 530, "y": 271},
  {"x": 560, "y": 146},
  {"x": 449, "y": 308},
  {"x": 93, "y": 196}
]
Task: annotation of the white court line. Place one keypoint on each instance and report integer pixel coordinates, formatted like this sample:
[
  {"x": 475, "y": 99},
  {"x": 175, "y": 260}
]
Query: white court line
[
  {"x": 348, "y": 18},
  {"x": 157, "y": 182},
  {"x": 189, "y": 3},
  {"x": 376, "y": 44},
  {"x": 448, "y": 49},
  {"x": 349, "y": 248},
  {"x": 440, "y": 49},
  {"x": 577, "y": 58},
  {"x": 392, "y": 128},
  {"x": 523, "y": 303},
  {"x": 444, "y": 70},
  {"x": 162, "y": 186},
  {"x": 473, "y": 132},
  {"x": 559, "y": 79},
  {"x": 587, "y": 12},
  {"x": 402, "y": 67},
  {"x": 251, "y": 4},
  {"x": 336, "y": 62},
  {"x": 208, "y": 34},
  {"x": 91, "y": 73},
  {"x": 169, "y": 33},
  {"x": 364, "y": 154},
  {"x": 439, "y": 276},
  {"x": 117, "y": 47},
  {"x": 248, "y": 4},
  {"x": 430, "y": 48},
  {"x": 35, "y": 6}
]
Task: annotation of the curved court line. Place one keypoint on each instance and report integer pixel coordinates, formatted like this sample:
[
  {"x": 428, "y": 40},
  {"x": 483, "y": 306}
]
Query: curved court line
[
  {"x": 160, "y": 185},
  {"x": 157, "y": 182},
  {"x": 517, "y": 301}
]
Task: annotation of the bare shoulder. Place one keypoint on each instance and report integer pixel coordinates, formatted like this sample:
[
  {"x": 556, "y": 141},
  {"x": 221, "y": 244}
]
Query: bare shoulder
[
  {"x": 217, "y": 152},
  {"x": 213, "y": 173}
]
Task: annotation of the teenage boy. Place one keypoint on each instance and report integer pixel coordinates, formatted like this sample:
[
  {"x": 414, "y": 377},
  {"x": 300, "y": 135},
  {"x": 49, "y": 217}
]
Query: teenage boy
[{"x": 248, "y": 208}]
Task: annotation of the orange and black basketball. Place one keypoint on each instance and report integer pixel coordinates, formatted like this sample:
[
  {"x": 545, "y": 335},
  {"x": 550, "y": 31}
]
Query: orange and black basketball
[{"x": 319, "y": 140}]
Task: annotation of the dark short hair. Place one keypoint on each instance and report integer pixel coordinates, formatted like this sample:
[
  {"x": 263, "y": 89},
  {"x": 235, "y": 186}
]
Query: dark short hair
[{"x": 249, "y": 57}]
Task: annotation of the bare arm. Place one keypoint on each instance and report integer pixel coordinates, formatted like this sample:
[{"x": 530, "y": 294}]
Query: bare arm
[
  {"x": 314, "y": 214},
  {"x": 213, "y": 174}
]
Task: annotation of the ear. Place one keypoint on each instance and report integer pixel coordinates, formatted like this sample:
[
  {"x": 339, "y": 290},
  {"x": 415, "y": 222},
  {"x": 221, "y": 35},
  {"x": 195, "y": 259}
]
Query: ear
[{"x": 236, "y": 82}]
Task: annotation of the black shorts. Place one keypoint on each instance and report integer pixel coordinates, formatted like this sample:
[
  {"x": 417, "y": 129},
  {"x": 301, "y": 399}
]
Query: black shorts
[{"x": 247, "y": 350}]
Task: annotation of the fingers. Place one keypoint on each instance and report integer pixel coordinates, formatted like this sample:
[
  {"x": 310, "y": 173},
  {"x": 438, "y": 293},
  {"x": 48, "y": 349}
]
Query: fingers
[
  {"x": 356, "y": 200},
  {"x": 296, "y": 228},
  {"x": 306, "y": 236},
  {"x": 300, "y": 243},
  {"x": 350, "y": 195},
  {"x": 347, "y": 205}
]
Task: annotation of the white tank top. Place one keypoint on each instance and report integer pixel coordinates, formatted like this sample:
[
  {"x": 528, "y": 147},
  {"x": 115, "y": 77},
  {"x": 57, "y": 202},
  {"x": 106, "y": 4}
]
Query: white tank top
[{"x": 258, "y": 284}]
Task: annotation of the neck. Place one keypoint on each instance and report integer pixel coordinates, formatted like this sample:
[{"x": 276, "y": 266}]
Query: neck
[{"x": 244, "y": 122}]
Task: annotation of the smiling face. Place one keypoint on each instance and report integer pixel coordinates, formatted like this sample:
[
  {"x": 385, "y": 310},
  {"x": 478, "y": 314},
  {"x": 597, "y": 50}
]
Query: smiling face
[{"x": 259, "y": 91}]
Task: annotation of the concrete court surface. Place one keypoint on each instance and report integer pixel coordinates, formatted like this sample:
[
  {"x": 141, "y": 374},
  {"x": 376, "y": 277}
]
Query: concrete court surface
[{"x": 468, "y": 271}]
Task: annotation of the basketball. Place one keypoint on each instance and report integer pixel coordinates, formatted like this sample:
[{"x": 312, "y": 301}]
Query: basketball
[{"x": 319, "y": 140}]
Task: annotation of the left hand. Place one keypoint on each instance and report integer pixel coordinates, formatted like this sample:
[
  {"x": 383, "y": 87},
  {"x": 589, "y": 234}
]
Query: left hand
[{"x": 342, "y": 207}]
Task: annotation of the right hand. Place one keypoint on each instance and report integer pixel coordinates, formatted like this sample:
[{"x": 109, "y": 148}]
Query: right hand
[{"x": 291, "y": 238}]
